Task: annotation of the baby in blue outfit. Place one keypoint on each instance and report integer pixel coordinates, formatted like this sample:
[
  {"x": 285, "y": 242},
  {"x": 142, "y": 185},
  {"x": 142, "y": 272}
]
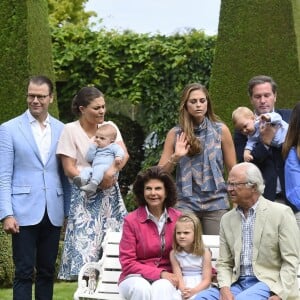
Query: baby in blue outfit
[
  {"x": 245, "y": 121},
  {"x": 101, "y": 154}
]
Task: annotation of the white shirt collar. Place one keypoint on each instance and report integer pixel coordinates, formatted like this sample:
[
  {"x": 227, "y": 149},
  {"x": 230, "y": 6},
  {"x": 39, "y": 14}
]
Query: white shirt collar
[{"x": 32, "y": 119}]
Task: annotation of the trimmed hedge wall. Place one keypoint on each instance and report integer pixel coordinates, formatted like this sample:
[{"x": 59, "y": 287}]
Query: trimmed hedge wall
[
  {"x": 256, "y": 37},
  {"x": 296, "y": 15},
  {"x": 25, "y": 50}
]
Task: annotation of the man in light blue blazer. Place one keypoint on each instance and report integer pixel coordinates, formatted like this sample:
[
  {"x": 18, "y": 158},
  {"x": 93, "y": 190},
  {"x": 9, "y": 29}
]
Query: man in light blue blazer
[
  {"x": 259, "y": 244},
  {"x": 34, "y": 193}
]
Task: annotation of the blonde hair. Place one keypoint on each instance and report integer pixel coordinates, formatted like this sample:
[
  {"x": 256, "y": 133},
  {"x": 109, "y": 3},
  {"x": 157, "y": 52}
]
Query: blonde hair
[
  {"x": 198, "y": 245},
  {"x": 241, "y": 111},
  {"x": 109, "y": 131}
]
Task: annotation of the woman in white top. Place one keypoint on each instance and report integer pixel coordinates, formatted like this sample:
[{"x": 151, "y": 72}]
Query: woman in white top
[{"x": 89, "y": 217}]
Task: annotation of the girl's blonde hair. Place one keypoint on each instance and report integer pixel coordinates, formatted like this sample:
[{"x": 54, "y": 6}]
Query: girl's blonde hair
[{"x": 198, "y": 245}]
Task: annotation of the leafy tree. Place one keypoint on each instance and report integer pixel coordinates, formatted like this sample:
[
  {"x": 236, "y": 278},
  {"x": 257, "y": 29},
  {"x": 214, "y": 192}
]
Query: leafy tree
[
  {"x": 141, "y": 72},
  {"x": 62, "y": 12}
]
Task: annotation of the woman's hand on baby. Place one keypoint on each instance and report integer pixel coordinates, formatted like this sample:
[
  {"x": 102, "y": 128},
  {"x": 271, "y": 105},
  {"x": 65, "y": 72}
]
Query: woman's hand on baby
[
  {"x": 109, "y": 179},
  {"x": 118, "y": 160}
]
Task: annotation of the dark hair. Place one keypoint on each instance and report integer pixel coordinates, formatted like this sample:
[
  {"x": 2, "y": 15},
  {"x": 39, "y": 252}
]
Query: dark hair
[
  {"x": 155, "y": 172},
  {"x": 84, "y": 97},
  {"x": 41, "y": 79},
  {"x": 292, "y": 138},
  {"x": 260, "y": 79}
]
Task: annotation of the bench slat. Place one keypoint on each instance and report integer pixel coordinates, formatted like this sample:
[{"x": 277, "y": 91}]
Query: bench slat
[
  {"x": 112, "y": 249},
  {"x": 110, "y": 276},
  {"x": 111, "y": 263},
  {"x": 108, "y": 288}
]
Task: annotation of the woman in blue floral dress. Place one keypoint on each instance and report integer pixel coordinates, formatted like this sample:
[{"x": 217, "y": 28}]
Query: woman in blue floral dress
[{"x": 89, "y": 217}]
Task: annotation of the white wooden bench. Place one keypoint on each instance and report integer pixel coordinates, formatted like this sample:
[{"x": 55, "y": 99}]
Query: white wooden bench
[
  {"x": 109, "y": 269},
  {"x": 104, "y": 284}
]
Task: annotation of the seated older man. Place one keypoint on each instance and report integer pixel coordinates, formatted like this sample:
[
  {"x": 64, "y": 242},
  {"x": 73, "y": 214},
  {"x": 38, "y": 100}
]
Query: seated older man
[{"x": 259, "y": 244}]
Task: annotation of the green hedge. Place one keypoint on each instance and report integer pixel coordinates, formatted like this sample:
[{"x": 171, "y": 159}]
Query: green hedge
[
  {"x": 6, "y": 263},
  {"x": 25, "y": 50},
  {"x": 256, "y": 37}
]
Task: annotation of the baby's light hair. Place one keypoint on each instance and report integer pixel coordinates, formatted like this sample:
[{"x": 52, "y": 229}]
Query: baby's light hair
[
  {"x": 241, "y": 111},
  {"x": 109, "y": 130},
  {"x": 198, "y": 245}
]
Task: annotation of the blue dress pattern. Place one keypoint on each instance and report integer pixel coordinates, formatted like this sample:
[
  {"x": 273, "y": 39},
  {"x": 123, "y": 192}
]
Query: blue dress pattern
[{"x": 89, "y": 218}]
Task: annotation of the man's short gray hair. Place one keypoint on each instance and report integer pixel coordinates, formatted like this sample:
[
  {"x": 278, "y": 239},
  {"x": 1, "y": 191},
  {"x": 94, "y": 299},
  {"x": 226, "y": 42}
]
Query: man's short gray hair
[{"x": 254, "y": 176}]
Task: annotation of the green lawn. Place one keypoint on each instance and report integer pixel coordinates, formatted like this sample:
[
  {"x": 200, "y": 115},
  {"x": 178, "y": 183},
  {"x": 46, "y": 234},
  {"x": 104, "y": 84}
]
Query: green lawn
[{"x": 62, "y": 291}]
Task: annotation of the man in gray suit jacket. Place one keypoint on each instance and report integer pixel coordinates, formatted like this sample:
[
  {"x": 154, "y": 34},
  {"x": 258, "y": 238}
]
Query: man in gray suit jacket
[
  {"x": 259, "y": 244},
  {"x": 34, "y": 193}
]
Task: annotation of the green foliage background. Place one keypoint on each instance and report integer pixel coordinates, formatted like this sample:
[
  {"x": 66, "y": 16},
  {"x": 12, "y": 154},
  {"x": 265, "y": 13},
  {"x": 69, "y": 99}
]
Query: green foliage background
[
  {"x": 256, "y": 37},
  {"x": 6, "y": 265},
  {"x": 141, "y": 75}
]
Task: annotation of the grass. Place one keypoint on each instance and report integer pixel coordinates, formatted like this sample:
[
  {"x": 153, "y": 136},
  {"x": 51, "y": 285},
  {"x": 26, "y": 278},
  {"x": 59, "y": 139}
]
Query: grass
[{"x": 62, "y": 291}]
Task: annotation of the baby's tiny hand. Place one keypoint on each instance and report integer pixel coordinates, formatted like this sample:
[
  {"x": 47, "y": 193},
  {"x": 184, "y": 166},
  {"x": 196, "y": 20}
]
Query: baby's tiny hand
[{"x": 264, "y": 118}]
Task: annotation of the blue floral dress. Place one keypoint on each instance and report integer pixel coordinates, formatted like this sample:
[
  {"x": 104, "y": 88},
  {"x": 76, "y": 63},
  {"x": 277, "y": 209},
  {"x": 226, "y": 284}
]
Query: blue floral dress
[{"x": 86, "y": 228}]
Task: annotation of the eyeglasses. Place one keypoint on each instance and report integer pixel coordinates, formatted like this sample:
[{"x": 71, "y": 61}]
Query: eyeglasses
[
  {"x": 234, "y": 185},
  {"x": 31, "y": 97}
]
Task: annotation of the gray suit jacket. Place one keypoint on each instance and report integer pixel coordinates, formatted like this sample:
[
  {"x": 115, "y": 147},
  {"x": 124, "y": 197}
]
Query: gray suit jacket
[
  {"x": 276, "y": 248},
  {"x": 27, "y": 185}
]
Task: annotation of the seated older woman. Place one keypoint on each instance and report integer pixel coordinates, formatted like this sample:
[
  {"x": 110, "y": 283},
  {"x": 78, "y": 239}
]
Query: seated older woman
[{"x": 147, "y": 239}]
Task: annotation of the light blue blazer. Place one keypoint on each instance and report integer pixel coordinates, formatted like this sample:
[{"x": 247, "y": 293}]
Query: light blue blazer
[{"x": 27, "y": 185}]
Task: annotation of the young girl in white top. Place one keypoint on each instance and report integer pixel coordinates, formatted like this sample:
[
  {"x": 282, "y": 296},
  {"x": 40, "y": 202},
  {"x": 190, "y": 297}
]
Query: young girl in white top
[{"x": 190, "y": 260}]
